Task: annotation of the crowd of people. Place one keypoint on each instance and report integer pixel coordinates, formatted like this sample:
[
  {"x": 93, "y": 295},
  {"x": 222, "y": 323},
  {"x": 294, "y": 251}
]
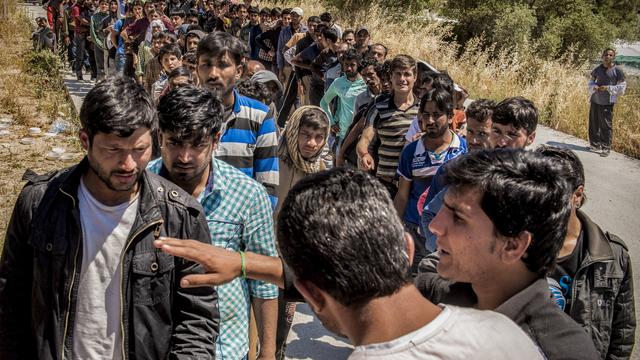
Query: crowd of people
[{"x": 240, "y": 160}]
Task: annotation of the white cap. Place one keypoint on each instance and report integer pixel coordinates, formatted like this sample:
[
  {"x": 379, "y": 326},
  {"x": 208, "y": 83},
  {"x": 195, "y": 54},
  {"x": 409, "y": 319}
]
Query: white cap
[{"x": 297, "y": 10}]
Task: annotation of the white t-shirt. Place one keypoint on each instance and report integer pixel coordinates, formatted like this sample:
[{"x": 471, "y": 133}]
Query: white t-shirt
[
  {"x": 105, "y": 229},
  {"x": 457, "y": 333}
]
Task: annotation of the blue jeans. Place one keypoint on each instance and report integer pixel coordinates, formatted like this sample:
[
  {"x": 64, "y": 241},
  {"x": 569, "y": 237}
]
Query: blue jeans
[{"x": 120, "y": 60}]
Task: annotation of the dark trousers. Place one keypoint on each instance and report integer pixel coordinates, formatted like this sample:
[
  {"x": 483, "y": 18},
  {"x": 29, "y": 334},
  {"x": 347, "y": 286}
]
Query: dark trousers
[
  {"x": 316, "y": 91},
  {"x": 600, "y": 125},
  {"x": 290, "y": 96},
  {"x": 100, "y": 57},
  {"x": 84, "y": 46},
  {"x": 286, "y": 311}
]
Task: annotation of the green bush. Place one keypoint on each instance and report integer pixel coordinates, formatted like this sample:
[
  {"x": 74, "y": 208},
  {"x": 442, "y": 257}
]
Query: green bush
[{"x": 42, "y": 63}]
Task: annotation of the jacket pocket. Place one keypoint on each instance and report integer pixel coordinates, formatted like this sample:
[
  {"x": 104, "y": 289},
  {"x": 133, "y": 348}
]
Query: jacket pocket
[{"x": 152, "y": 277}]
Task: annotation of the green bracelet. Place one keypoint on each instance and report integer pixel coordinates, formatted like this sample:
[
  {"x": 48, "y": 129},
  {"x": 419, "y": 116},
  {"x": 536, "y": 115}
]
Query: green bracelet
[{"x": 242, "y": 267}]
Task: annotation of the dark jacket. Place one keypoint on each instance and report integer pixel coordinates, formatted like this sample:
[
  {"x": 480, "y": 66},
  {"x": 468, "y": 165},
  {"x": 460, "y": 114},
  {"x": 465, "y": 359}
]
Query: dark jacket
[
  {"x": 603, "y": 292},
  {"x": 557, "y": 335},
  {"x": 42, "y": 257}
]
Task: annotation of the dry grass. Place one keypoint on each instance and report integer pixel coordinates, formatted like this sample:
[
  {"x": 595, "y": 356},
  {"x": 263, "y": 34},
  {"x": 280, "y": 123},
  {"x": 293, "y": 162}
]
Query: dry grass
[
  {"x": 28, "y": 101},
  {"x": 558, "y": 89}
]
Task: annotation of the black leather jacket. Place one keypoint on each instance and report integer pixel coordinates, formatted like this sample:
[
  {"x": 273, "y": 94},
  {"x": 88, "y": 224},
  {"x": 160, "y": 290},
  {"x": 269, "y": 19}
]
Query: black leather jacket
[
  {"x": 42, "y": 257},
  {"x": 603, "y": 292}
]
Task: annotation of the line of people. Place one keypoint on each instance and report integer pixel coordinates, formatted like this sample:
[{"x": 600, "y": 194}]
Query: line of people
[{"x": 447, "y": 219}]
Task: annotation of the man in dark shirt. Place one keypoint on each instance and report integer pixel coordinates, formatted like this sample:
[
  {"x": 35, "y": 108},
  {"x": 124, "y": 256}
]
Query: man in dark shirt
[
  {"x": 503, "y": 222},
  {"x": 81, "y": 15},
  {"x": 606, "y": 85},
  {"x": 592, "y": 281}
]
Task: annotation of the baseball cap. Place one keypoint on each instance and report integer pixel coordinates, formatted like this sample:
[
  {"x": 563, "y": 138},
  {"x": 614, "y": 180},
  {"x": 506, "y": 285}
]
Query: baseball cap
[
  {"x": 297, "y": 10},
  {"x": 265, "y": 76},
  {"x": 362, "y": 28}
]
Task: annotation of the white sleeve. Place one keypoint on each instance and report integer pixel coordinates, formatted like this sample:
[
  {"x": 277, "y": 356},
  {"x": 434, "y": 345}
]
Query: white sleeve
[{"x": 413, "y": 130}]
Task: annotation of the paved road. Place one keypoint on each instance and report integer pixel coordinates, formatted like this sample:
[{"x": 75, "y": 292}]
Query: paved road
[{"x": 613, "y": 193}]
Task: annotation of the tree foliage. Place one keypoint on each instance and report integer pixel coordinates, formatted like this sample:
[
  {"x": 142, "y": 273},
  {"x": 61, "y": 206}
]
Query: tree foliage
[{"x": 581, "y": 28}]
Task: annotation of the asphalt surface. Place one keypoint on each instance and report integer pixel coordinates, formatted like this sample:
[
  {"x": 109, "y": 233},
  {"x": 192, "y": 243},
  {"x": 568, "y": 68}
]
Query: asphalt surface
[{"x": 613, "y": 202}]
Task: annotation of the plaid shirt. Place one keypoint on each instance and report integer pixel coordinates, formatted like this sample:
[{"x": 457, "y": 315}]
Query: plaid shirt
[{"x": 239, "y": 215}]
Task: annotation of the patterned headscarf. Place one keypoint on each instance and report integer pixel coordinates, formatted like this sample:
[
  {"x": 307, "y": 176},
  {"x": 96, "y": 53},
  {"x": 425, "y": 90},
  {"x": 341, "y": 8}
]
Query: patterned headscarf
[{"x": 288, "y": 150}]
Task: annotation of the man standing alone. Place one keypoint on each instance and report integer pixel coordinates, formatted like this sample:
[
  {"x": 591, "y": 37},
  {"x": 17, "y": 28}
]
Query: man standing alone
[{"x": 606, "y": 84}]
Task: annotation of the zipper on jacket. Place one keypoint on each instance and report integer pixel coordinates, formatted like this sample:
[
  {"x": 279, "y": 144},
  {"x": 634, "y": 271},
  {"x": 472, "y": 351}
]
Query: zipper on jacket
[
  {"x": 157, "y": 222},
  {"x": 73, "y": 279}
]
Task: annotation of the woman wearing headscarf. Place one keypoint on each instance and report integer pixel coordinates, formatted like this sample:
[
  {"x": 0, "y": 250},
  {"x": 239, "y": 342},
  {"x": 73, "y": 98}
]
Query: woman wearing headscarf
[{"x": 301, "y": 144}]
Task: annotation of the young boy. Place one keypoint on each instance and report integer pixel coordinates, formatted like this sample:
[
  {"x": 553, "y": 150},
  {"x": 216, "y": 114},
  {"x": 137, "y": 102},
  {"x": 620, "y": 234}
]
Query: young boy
[{"x": 170, "y": 57}]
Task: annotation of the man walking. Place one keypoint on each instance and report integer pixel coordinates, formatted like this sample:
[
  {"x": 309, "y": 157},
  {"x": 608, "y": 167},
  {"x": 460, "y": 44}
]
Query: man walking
[
  {"x": 79, "y": 276},
  {"x": 249, "y": 141},
  {"x": 237, "y": 209},
  {"x": 606, "y": 85}
]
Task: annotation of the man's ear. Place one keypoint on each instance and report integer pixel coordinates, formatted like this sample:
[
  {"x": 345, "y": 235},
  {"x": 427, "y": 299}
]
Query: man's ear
[
  {"x": 84, "y": 140},
  {"x": 530, "y": 138},
  {"x": 240, "y": 70},
  {"x": 216, "y": 140},
  {"x": 513, "y": 249},
  {"x": 314, "y": 296},
  {"x": 411, "y": 246}
]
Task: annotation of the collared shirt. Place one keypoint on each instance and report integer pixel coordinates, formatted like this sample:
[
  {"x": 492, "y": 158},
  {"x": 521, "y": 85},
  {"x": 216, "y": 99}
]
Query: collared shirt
[
  {"x": 346, "y": 91},
  {"x": 391, "y": 125},
  {"x": 286, "y": 34},
  {"x": 418, "y": 165},
  {"x": 250, "y": 143},
  {"x": 240, "y": 218}
]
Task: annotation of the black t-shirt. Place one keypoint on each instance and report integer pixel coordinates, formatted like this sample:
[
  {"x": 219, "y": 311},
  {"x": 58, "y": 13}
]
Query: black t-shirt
[{"x": 561, "y": 278}]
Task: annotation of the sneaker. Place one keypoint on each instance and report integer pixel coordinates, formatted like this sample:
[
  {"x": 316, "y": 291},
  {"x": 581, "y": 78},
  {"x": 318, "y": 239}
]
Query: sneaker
[
  {"x": 79, "y": 77},
  {"x": 605, "y": 152},
  {"x": 594, "y": 148}
]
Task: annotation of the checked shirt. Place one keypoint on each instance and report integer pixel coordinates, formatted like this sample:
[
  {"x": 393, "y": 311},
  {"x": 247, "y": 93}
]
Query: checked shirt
[{"x": 239, "y": 215}]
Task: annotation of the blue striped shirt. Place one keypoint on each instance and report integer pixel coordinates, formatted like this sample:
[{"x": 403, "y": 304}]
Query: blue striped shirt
[{"x": 250, "y": 143}]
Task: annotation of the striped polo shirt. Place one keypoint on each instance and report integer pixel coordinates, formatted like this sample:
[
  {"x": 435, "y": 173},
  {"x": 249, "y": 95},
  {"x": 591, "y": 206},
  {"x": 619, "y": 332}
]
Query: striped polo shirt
[
  {"x": 250, "y": 142},
  {"x": 391, "y": 125}
]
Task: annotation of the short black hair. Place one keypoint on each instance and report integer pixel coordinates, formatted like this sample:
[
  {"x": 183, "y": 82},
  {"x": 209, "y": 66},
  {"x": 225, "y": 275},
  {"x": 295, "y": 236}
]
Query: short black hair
[
  {"x": 219, "y": 43},
  {"x": 286, "y": 11},
  {"x": 253, "y": 10},
  {"x": 190, "y": 113},
  {"x": 520, "y": 191},
  {"x": 326, "y": 17},
  {"x": 480, "y": 110},
  {"x": 347, "y": 32},
  {"x": 368, "y": 61},
  {"x": 314, "y": 19},
  {"x": 352, "y": 54},
  {"x": 180, "y": 71},
  {"x": 386, "y": 50},
  {"x": 442, "y": 80},
  {"x": 254, "y": 90},
  {"x": 604, "y": 52},
  {"x": 442, "y": 98},
  {"x": 276, "y": 12},
  {"x": 517, "y": 111},
  {"x": 354, "y": 261},
  {"x": 169, "y": 49},
  {"x": 177, "y": 12},
  {"x": 265, "y": 11},
  {"x": 314, "y": 118},
  {"x": 105, "y": 110},
  {"x": 330, "y": 34},
  {"x": 576, "y": 177}
]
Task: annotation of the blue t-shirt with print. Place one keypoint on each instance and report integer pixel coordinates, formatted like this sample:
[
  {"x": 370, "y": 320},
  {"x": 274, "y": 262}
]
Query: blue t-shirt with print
[{"x": 418, "y": 165}]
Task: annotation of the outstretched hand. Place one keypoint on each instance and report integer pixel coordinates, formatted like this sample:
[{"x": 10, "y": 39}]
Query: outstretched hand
[{"x": 221, "y": 265}]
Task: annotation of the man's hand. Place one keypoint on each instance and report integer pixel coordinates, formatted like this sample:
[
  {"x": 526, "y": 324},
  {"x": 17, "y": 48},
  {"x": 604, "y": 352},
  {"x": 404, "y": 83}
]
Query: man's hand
[
  {"x": 366, "y": 162},
  {"x": 221, "y": 265},
  {"x": 335, "y": 129}
]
